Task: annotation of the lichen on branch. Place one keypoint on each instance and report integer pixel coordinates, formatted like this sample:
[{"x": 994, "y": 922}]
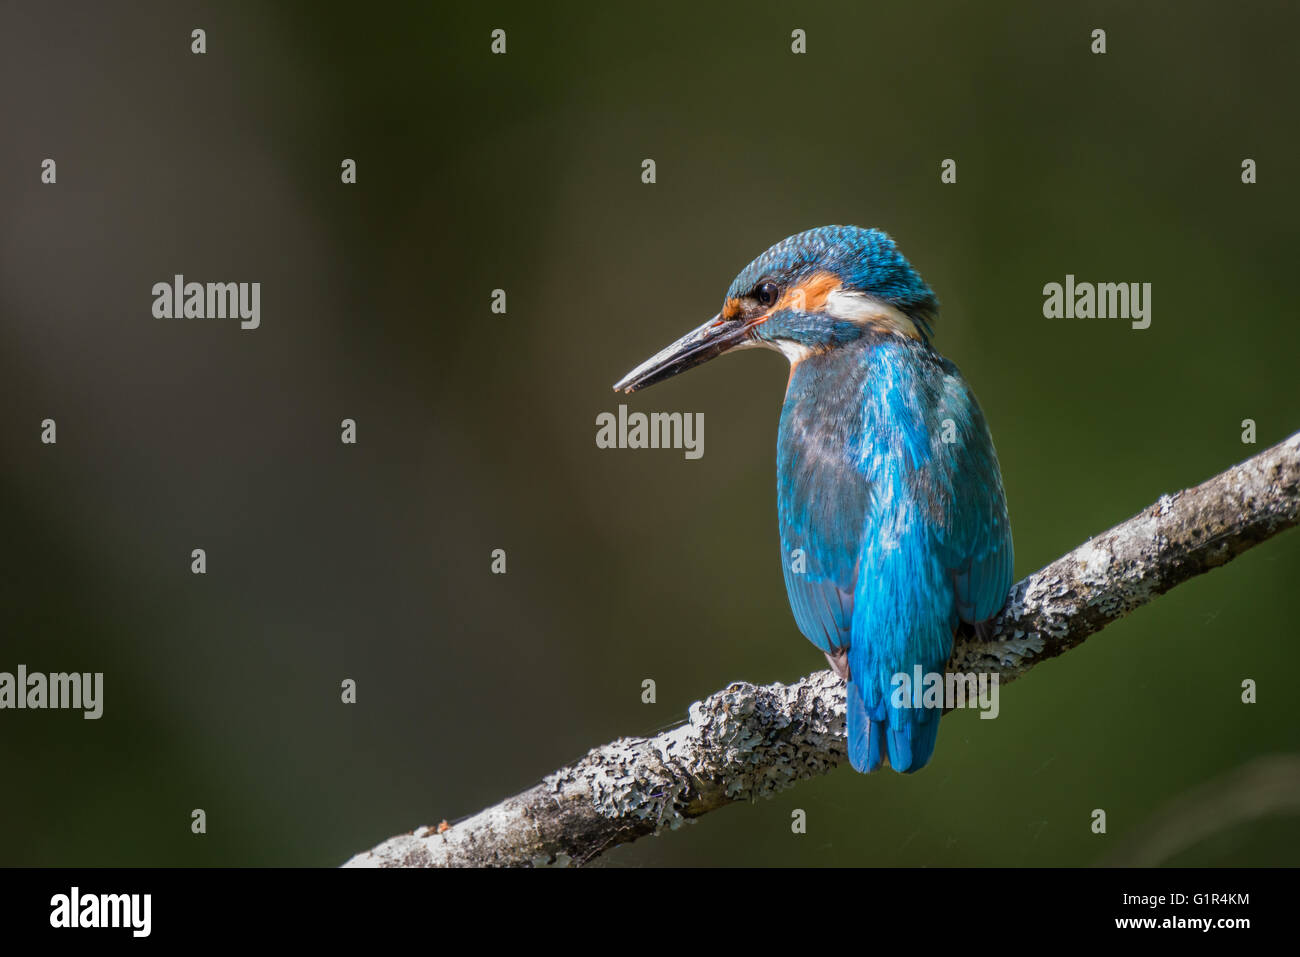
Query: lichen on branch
[{"x": 746, "y": 741}]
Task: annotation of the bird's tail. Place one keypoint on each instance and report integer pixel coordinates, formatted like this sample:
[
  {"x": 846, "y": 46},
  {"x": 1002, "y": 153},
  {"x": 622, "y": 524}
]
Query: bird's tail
[{"x": 907, "y": 735}]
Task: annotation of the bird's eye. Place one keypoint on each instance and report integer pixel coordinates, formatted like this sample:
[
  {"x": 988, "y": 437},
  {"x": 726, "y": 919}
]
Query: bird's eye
[{"x": 767, "y": 293}]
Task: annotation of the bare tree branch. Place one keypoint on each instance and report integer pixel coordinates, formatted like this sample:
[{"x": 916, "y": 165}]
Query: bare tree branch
[{"x": 747, "y": 742}]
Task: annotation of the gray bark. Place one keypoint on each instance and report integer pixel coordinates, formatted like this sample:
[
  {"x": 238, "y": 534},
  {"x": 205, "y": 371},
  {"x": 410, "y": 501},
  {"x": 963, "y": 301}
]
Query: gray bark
[{"x": 745, "y": 742}]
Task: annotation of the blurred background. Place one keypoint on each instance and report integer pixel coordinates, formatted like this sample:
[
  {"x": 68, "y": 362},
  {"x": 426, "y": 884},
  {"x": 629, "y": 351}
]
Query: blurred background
[{"x": 477, "y": 431}]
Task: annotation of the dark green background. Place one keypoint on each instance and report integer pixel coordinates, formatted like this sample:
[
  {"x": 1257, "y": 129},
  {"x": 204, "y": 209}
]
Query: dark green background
[{"x": 477, "y": 431}]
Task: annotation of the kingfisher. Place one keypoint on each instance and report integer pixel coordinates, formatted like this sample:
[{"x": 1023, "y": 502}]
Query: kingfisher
[{"x": 893, "y": 521}]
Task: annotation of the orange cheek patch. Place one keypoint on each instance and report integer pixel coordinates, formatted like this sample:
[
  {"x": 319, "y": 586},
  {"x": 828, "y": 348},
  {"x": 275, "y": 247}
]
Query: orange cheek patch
[
  {"x": 731, "y": 309},
  {"x": 811, "y": 294}
]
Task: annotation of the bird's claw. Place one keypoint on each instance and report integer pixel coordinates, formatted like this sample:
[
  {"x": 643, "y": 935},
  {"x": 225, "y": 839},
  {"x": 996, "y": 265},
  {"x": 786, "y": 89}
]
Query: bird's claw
[{"x": 839, "y": 663}]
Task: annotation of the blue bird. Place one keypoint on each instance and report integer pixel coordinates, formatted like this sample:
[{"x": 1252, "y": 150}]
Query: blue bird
[{"x": 892, "y": 516}]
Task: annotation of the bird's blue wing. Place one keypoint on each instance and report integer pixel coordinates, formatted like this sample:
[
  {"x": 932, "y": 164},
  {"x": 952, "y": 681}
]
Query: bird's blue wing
[{"x": 973, "y": 537}]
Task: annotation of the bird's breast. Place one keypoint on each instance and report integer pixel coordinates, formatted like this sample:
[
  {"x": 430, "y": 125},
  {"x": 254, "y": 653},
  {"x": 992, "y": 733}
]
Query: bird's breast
[{"x": 856, "y": 423}]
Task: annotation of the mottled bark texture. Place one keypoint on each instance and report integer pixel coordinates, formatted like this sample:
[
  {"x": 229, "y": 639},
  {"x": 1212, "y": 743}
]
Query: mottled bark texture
[{"x": 747, "y": 742}]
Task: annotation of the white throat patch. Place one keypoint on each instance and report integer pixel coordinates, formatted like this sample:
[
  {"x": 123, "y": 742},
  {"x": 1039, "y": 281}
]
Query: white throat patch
[{"x": 795, "y": 352}]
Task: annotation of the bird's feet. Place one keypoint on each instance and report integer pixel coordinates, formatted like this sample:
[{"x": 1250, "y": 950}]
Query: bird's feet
[{"x": 839, "y": 663}]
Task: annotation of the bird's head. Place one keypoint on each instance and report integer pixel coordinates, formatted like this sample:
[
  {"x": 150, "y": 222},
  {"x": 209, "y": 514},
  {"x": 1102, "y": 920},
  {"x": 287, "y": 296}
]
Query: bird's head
[{"x": 814, "y": 292}]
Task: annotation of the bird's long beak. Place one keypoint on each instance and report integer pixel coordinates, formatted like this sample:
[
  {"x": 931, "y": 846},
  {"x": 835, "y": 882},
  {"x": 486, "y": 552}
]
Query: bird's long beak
[{"x": 710, "y": 340}]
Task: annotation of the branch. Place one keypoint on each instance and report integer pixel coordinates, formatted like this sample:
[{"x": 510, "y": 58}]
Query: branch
[{"x": 747, "y": 742}]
